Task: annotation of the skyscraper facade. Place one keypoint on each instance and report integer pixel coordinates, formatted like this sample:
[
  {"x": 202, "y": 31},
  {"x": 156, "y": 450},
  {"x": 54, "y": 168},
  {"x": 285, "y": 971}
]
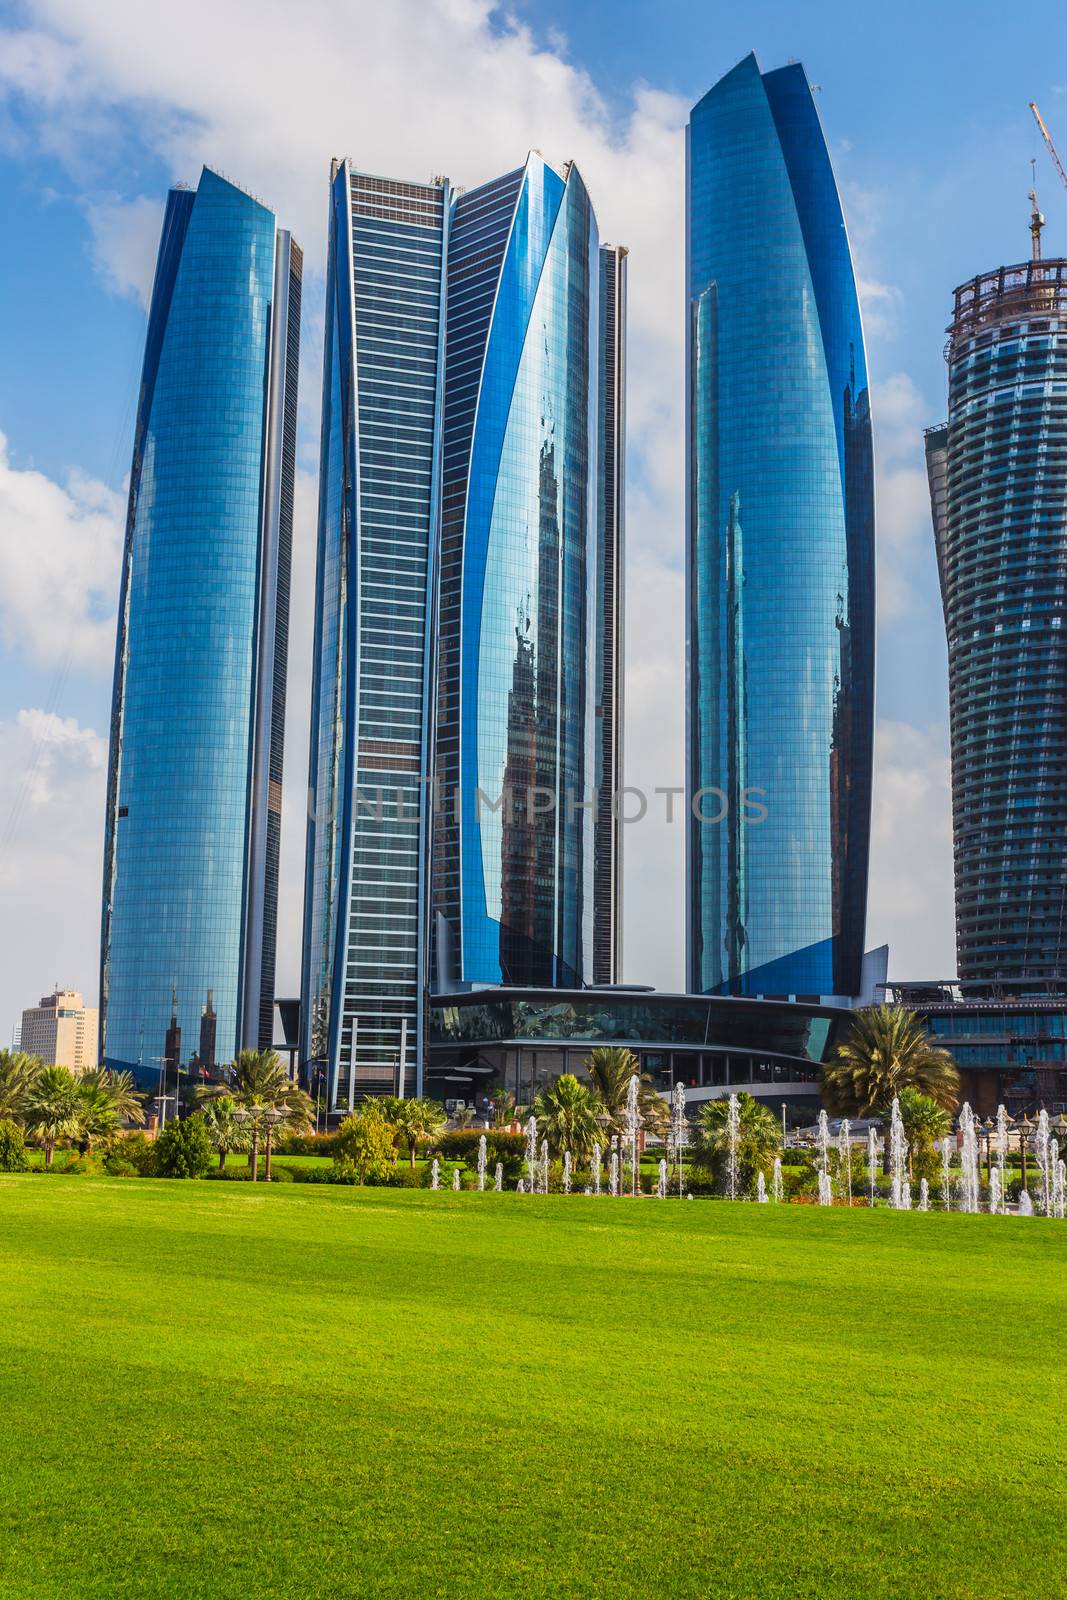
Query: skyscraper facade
[
  {"x": 366, "y": 878},
  {"x": 780, "y": 601},
  {"x": 998, "y": 487},
  {"x": 198, "y": 712},
  {"x": 456, "y": 763}
]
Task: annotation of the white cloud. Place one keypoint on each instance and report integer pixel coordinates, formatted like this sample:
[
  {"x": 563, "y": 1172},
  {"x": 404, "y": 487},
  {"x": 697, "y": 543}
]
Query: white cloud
[
  {"x": 903, "y": 498},
  {"x": 59, "y": 561},
  {"x": 125, "y": 241},
  {"x": 52, "y": 778},
  {"x": 911, "y": 894}
]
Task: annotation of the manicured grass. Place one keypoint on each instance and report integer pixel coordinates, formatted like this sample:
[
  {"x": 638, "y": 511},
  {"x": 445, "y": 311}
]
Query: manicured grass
[{"x": 210, "y": 1390}]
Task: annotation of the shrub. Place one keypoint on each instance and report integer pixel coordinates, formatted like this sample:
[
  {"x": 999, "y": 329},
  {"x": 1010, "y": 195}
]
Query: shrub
[
  {"x": 367, "y": 1143},
  {"x": 13, "y": 1157},
  {"x": 306, "y": 1144},
  {"x": 183, "y": 1149},
  {"x": 342, "y": 1172},
  {"x": 116, "y": 1167},
  {"x": 137, "y": 1150}
]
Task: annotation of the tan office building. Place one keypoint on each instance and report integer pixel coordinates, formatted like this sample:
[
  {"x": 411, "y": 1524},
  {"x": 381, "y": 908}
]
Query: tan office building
[{"x": 62, "y": 1030}]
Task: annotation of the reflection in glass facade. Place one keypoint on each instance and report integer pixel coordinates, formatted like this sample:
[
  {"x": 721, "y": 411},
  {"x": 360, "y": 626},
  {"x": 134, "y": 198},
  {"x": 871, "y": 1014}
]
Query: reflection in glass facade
[
  {"x": 194, "y": 780},
  {"x": 460, "y": 646},
  {"x": 780, "y": 690},
  {"x": 516, "y": 749},
  {"x": 998, "y": 484},
  {"x": 365, "y": 886}
]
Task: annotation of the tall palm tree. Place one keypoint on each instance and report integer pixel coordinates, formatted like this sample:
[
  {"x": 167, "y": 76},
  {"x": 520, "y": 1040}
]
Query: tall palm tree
[
  {"x": 759, "y": 1137},
  {"x": 568, "y": 1116},
  {"x": 260, "y": 1084},
  {"x": 18, "y": 1073},
  {"x": 610, "y": 1068},
  {"x": 887, "y": 1051},
  {"x": 415, "y": 1120},
  {"x": 52, "y": 1109}
]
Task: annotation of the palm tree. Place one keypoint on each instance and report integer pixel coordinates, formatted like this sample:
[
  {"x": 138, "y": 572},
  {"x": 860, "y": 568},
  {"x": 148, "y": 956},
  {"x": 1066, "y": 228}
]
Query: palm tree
[
  {"x": 610, "y": 1068},
  {"x": 887, "y": 1052},
  {"x": 52, "y": 1109},
  {"x": 504, "y": 1108},
  {"x": 568, "y": 1116},
  {"x": 223, "y": 1129},
  {"x": 925, "y": 1123},
  {"x": 18, "y": 1073},
  {"x": 759, "y": 1137},
  {"x": 260, "y": 1085},
  {"x": 120, "y": 1089},
  {"x": 97, "y": 1116},
  {"x": 415, "y": 1120}
]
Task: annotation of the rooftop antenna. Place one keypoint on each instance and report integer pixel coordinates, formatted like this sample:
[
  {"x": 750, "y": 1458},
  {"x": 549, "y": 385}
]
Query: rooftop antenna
[{"x": 1037, "y": 221}]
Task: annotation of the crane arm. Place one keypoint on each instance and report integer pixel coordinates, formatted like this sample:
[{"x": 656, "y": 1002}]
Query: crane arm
[{"x": 1053, "y": 152}]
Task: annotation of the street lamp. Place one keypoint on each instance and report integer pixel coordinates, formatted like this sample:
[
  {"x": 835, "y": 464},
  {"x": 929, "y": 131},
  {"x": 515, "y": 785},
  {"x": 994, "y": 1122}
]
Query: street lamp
[
  {"x": 1026, "y": 1128},
  {"x": 259, "y": 1117}
]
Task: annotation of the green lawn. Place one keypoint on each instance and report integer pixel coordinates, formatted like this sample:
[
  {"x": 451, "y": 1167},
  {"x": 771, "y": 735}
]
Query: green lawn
[{"x": 210, "y": 1390}]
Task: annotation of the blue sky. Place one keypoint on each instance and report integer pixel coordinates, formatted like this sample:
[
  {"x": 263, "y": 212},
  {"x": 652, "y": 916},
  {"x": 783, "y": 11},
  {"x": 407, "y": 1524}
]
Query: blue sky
[{"x": 103, "y": 104}]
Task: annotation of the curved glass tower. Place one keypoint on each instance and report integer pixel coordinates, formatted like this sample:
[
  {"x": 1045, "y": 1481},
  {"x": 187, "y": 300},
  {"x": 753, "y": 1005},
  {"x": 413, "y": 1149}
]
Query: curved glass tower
[
  {"x": 516, "y": 752},
  {"x": 194, "y": 781},
  {"x": 467, "y": 694},
  {"x": 998, "y": 480},
  {"x": 780, "y": 604}
]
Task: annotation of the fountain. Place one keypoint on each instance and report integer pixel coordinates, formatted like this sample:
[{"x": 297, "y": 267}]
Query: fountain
[
  {"x": 899, "y": 1188},
  {"x": 1044, "y": 1163},
  {"x": 1002, "y": 1148},
  {"x": 661, "y": 1187},
  {"x": 969, "y": 1191},
  {"x": 994, "y": 1191},
  {"x": 544, "y": 1166},
  {"x": 824, "y": 1160},
  {"x": 844, "y": 1162},
  {"x": 761, "y": 1189},
  {"x": 481, "y": 1164},
  {"x": 679, "y": 1128},
  {"x": 531, "y": 1156},
  {"x": 946, "y": 1172},
  {"x": 597, "y": 1153},
  {"x": 520, "y": 1187},
  {"x": 1059, "y": 1188},
  {"x": 733, "y": 1130},
  {"x": 776, "y": 1180},
  {"x": 455, "y": 1178},
  {"x": 435, "y": 1174},
  {"x": 924, "y": 1195},
  {"x": 613, "y": 1170},
  {"x": 566, "y": 1172},
  {"x": 826, "y": 1188},
  {"x": 498, "y": 1178},
  {"x": 1025, "y": 1208},
  {"x": 872, "y": 1162},
  {"x": 633, "y": 1124}
]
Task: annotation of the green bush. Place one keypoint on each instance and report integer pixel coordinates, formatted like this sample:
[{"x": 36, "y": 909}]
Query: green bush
[
  {"x": 306, "y": 1144},
  {"x": 116, "y": 1167},
  {"x": 341, "y": 1172},
  {"x": 13, "y": 1157},
  {"x": 183, "y": 1149},
  {"x": 398, "y": 1177},
  {"x": 137, "y": 1150}
]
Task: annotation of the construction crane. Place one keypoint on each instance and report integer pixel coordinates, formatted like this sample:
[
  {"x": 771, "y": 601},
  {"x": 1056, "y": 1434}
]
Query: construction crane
[{"x": 1053, "y": 152}]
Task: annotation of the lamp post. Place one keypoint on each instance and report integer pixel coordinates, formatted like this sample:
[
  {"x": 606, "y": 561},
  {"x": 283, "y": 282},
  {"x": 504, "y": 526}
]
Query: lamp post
[
  {"x": 1026, "y": 1128},
  {"x": 271, "y": 1116}
]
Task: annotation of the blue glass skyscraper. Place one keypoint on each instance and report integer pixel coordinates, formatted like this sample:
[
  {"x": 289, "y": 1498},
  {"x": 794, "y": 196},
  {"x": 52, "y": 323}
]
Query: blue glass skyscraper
[
  {"x": 455, "y": 770},
  {"x": 780, "y": 625},
  {"x": 198, "y": 715}
]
